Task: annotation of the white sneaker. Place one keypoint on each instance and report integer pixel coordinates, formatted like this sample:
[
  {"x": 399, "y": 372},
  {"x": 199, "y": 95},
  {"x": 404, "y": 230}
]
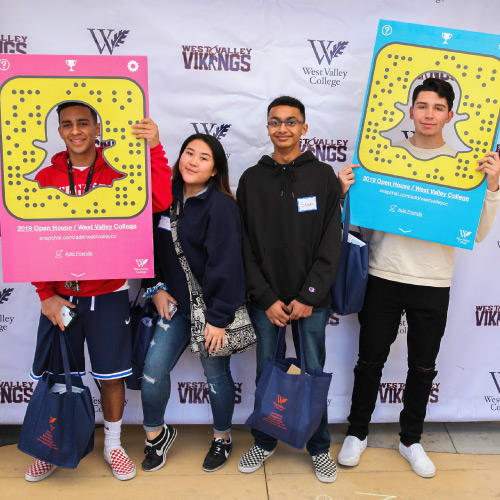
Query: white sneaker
[
  {"x": 418, "y": 459},
  {"x": 352, "y": 450}
]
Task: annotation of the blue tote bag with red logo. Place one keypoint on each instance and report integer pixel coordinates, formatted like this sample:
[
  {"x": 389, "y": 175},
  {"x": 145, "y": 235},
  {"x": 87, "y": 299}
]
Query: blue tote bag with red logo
[
  {"x": 59, "y": 424},
  {"x": 289, "y": 406}
]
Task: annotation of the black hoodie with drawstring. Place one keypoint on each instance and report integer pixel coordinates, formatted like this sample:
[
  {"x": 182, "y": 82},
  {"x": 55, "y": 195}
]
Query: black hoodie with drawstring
[{"x": 291, "y": 230}]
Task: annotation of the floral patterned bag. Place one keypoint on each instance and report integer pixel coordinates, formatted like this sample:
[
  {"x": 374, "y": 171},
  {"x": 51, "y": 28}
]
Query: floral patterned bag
[{"x": 240, "y": 334}]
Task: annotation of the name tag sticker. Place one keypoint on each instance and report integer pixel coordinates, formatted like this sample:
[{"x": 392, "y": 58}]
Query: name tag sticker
[
  {"x": 164, "y": 223},
  {"x": 307, "y": 204}
]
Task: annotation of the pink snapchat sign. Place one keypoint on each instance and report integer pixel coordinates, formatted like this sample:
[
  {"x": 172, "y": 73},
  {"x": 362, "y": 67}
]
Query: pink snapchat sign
[{"x": 47, "y": 233}]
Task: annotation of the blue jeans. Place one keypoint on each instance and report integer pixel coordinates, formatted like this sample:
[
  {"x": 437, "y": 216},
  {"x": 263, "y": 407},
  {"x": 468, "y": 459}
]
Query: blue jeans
[
  {"x": 170, "y": 340},
  {"x": 313, "y": 329}
]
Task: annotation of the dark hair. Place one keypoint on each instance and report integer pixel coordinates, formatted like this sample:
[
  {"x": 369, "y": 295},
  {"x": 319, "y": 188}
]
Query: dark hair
[
  {"x": 221, "y": 178},
  {"x": 70, "y": 104},
  {"x": 441, "y": 87},
  {"x": 286, "y": 100}
]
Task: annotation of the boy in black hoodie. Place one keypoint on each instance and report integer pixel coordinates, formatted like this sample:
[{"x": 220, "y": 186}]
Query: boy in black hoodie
[{"x": 291, "y": 247}]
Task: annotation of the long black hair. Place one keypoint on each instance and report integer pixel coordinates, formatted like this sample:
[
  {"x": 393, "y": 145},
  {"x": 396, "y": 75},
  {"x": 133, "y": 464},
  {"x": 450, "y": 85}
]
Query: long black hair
[{"x": 221, "y": 177}]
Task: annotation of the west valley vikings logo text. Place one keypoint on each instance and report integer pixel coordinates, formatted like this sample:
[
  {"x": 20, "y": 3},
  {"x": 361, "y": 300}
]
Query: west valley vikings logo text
[
  {"x": 108, "y": 39},
  {"x": 330, "y": 150},
  {"x": 326, "y": 51},
  {"x": 16, "y": 392},
  {"x": 494, "y": 401},
  {"x": 199, "y": 392},
  {"x": 13, "y": 44},
  {"x": 436, "y": 74},
  {"x": 394, "y": 392},
  {"x": 203, "y": 57},
  {"x": 218, "y": 131},
  {"x": 334, "y": 319},
  {"x": 488, "y": 315}
]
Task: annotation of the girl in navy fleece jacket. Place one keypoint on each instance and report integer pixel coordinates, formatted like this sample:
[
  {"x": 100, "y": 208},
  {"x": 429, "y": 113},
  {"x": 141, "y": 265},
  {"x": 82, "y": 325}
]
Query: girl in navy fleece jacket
[{"x": 209, "y": 232}]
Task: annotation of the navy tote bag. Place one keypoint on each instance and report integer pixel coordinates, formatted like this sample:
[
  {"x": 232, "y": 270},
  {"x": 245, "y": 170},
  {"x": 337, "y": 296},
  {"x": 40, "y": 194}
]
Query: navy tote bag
[
  {"x": 348, "y": 290},
  {"x": 289, "y": 407},
  {"x": 143, "y": 322},
  {"x": 58, "y": 427}
]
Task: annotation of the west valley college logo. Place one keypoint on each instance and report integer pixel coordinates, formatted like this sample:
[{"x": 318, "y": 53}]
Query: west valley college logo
[
  {"x": 494, "y": 401},
  {"x": 108, "y": 38},
  {"x": 328, "y": 72},
  {"x": 218, "y": 131}
]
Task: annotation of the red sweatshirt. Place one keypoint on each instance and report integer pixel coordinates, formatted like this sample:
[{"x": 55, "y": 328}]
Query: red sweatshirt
[{"x": 57, "y": 176}]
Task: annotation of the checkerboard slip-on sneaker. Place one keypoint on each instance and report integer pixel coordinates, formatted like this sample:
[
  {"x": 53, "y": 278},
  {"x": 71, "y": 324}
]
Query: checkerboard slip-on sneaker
[
  {"x": 217, "y": 454},
  {"x": 39, "y": 470},
  {"x": 253, "y": 459},
  {"x": 325, "y": 467},
  {"x": 351, "y": 451},
  {"x": 122, "y": 466},
  {"x": 418, "y": 459},
  {"x": 156, "y": 454}
]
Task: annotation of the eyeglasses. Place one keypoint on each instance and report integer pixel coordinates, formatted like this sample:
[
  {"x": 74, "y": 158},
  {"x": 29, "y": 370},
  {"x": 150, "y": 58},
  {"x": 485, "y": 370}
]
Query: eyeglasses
[{"x": 288, "y": 123}]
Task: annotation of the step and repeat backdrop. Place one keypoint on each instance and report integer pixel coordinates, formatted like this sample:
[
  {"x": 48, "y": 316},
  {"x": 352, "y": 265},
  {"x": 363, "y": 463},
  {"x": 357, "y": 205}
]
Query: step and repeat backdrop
[{"x": 213, "y": 67}]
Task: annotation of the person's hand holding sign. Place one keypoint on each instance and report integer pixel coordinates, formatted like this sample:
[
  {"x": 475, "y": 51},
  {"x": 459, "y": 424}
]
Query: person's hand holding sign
[
  {"x": 490, "y": 165},
  {"x": 147, "y": 129}
]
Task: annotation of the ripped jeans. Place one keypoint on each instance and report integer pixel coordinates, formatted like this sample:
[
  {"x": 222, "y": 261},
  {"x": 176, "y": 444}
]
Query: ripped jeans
[
  {"x": 426, "y": 311},
  {"x": 170, "y": 340}
]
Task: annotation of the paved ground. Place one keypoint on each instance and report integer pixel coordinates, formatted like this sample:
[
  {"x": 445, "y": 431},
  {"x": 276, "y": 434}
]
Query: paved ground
[{"x": 466, "y": 456}]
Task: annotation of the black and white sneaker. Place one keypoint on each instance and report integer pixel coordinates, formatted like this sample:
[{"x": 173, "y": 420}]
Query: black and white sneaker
[
  {"x": 253, "y": 459},
  {"x": 217, "y": 454},
  {"x": 156, "y": 451},
  {"x": 325, "y": 467}
]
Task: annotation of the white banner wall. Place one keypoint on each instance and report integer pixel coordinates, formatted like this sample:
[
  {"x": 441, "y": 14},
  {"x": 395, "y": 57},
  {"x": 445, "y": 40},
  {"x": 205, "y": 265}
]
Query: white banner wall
[{"x": 214, "y": 67}]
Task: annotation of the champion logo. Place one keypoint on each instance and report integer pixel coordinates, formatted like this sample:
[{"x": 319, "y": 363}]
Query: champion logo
[
  {"x": 312, "y": 289},
  {"x": 141, "y": 262},
  {"x": 464, "y": 233}
]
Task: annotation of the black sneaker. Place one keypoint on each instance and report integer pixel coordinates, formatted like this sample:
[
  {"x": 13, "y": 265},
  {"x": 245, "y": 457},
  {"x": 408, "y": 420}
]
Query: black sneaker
[
  {"x": 156, "y": 454},
  {"x": 217, "y": 454}
]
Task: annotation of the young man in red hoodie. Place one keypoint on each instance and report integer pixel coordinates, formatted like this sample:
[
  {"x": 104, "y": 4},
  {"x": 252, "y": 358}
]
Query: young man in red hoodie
[{"x": 102, "y": 306}]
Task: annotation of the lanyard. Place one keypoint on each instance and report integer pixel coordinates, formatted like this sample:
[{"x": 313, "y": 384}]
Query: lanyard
[{"x": 72, "y": 179}]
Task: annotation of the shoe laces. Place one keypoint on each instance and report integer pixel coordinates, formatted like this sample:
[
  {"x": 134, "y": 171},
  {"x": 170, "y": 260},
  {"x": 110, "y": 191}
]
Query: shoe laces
[
  {"x": 217, "y": 446},
  {"x": 148, "y": 450}
]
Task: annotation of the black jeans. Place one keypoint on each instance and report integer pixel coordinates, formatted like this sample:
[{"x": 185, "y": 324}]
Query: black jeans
[{"x": 426, "y": 311}]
